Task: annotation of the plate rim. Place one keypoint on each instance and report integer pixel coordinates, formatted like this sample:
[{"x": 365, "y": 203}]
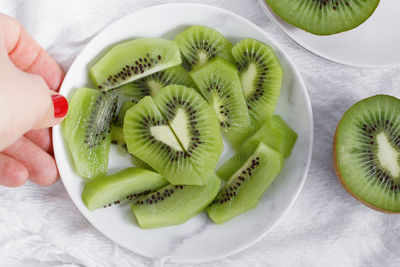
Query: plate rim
[
  {"x": 275, "y": 21},
  {"x": 56, "y": 135}
]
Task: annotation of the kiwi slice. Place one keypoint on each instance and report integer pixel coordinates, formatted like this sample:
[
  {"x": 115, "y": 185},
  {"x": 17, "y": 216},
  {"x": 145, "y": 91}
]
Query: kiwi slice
[
  {"x": 261, "y": 76},
  {"x": 87, "y": 130},
  {"x": 324, "y": 17},
  {"x": 174, "y": 204},
  {"x": 274, "y": 132},
  {"x": 366, "y": 152},
  {"x": 132, "y": 60},
  {"x": 246, "y": 186},
  {"x": 149, "y": 137},
  {"x": 219, "y": 83},
  {"x": 199, "y": 43},
  {"x": 153, "y": 84},
  {"x": 121, "y": 186},
  {"x": 195, "y": 125}
]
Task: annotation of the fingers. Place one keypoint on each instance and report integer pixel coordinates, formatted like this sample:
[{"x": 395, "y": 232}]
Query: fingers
[
  {"x": 41, "y": 138},
  {"x": 41, "y": 166},
  {"x": 27, "y": 54},
  {"x": 12, "y": 173}
]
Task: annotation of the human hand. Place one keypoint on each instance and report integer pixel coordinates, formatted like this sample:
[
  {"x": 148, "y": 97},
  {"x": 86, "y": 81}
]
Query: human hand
[{"x": 29, "y": 104}]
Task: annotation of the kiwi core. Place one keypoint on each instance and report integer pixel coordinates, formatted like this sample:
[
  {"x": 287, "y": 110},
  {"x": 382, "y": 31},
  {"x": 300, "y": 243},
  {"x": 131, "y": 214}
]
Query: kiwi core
[
  {"x": 203, "y": 57},
  {"x": 248, "y": 77},
  {"x": 388, "y": 156},
  {"x": 155, "y": 87},
  {"x": 164, "y": 134},
  {"x": 179, "y": 125}
]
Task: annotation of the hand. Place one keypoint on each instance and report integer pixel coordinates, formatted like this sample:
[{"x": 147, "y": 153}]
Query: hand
[{"x": 29, "y": 105}]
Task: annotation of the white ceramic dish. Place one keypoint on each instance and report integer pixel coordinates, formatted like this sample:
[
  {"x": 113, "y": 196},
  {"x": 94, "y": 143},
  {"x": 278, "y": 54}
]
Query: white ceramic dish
[
  {"x": 198, "y": 240},
  {"x": 374, "y": 44}
]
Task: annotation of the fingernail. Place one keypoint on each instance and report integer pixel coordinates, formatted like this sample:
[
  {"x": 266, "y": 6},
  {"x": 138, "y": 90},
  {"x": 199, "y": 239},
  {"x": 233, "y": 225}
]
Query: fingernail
[{"x": 60, "y": 106}]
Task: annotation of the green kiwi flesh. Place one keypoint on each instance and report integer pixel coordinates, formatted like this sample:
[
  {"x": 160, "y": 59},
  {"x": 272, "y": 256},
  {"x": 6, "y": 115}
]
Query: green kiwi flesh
[
  {"x": 124, "y": 185},
  {"x": 247, "y": 185},
  {"x": 87, "y": 130},
  {"x": 219, "y": 83},
  {"x": 261, "y": 77},
  {"x": 154, "y": 83},
  {"x": 132, "y": 60},
  {"x": 324, "y": 17},
  {"x": 274, "y": 133},
  {"x": 174, "y": 204},
  {"x": 149, "y": 137},
  {"x": 198, "y": 44},
  {"x": 367, "y": 152},
  {"x": 195, "y": 125}
]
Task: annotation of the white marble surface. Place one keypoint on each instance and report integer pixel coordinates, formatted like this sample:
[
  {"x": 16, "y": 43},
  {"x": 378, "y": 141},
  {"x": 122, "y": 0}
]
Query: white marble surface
[{"x": 325, "y": 227}]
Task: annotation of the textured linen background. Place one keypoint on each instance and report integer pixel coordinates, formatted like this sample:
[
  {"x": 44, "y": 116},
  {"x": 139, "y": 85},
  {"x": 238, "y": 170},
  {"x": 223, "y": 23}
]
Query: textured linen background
[{"x": 40, "y": 226}]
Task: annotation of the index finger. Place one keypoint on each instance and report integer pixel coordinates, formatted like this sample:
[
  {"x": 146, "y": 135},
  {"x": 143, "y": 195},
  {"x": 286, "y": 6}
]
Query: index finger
[{"x": 27, "y": 54}]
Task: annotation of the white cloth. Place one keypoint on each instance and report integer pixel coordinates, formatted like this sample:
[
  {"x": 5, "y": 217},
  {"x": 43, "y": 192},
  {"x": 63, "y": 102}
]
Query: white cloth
[{"x": 40, "y": 226}]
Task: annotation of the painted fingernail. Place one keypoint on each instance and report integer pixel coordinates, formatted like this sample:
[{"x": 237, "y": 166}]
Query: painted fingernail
[{"x": 60, "y": 106}]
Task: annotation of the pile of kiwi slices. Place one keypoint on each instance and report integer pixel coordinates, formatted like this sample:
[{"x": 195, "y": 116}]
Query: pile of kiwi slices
[{"x": 178, "y": 99}]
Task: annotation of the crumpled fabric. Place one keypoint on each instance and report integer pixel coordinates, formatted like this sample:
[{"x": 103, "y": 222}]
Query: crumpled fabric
[{"x": 40, "y": 226}]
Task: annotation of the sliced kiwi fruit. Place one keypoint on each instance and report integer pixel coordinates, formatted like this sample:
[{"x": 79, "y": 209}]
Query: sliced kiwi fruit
[
  {"x": 219, "y": 83},
  {"x": 246, "y": 186},
  {"x": 149, "y": 137},
  {"x": 174, "y": 204},
  {"x": 324, "y": 17},
  {"x": 119, "y": 187},
  {"x": 366, "y": 152},
  {"x": 87, "y": 130},
  {"x": 198, "y": 44},
  {"x": 153, "y": 84},
  {"x": 274, "y": 132},
  {"x": 195, "y": 125},
  {"x": 261, "y": 77},
  {"x": 132, "y": 60}
]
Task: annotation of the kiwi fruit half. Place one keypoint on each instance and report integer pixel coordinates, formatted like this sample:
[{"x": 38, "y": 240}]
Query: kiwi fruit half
[
  {"x": 119, "y": 187},
  {"x": 87, "y": 130},
  {"x": 261, "y": 77},
  {"x": 174, "y": 204},
  {"x": 195, "y": 125},
  {"x": 154, "y": 83},
  {"x": 132, "y": 60},
  {"x": 366, "y": 152},
  {"x": 246, "y": 186},
  {"x": 219, "y": 83},
  {"x": 324, "y": 17},
  {"x": 274, "y": 132},
  {"x": 198, "y": 44}
]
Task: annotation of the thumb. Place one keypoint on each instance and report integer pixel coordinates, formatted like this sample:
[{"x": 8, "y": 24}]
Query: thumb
[{"x": 26, "y": 103}]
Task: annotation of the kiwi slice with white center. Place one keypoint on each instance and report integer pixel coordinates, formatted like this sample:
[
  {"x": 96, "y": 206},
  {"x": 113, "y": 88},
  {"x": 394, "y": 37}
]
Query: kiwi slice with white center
[
  {"x": 195, "y": 125},
  {"x": 174, "y": 204},
  {"x": 219, "y": 83},
  {"x": 247, "y": 185},
  {"x": 366, "y": 152},
  {"x": 121, "y": 187},
  {"x": 154, "y": 83},
  {"x": 324, "y": 17},
  {"x": 274, "y": 132},
  {"x": 87, "y": 130},
  {"x": 261, "y": 77},
  {"x": 132, "y": 60},
  {"x": 149, "y": 137},
  {"x": 198, "y": 44}
]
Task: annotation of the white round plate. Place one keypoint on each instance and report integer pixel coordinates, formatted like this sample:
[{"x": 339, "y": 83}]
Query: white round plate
[
  {"x": 199, "y": 239},
  {"x": 373, "y": 44}
]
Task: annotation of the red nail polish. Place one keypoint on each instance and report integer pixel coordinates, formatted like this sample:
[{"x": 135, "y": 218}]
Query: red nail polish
[{"x": 60, "y": 106}]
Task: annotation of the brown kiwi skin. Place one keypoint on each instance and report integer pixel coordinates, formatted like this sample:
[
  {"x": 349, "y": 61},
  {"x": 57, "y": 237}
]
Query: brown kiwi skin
[{"x": 343, "y": 183}]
